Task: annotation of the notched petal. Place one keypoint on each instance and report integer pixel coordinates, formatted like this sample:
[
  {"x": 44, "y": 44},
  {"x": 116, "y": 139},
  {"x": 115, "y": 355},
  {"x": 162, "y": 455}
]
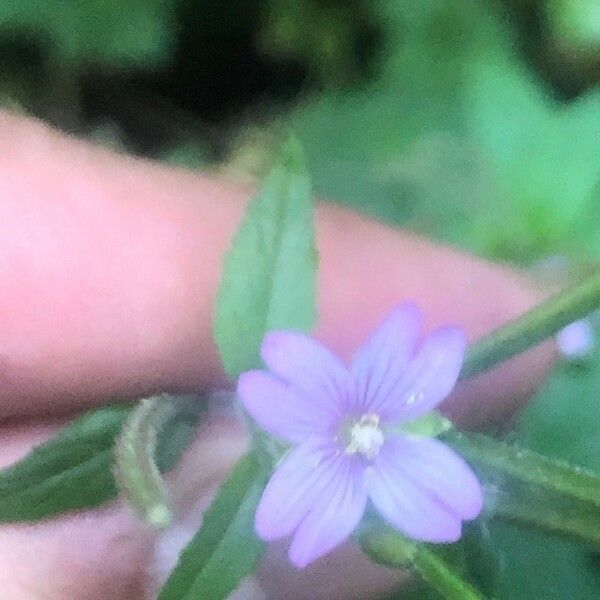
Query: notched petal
[
  {"x": 429, "y": 378},
  {"x": 386, "y": 354}
]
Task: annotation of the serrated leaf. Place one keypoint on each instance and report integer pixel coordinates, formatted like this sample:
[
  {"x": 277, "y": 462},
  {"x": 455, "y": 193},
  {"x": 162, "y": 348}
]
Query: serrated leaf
[
  {"x": 74, "y": 470},
  {"x": 225, "y": 549},
  {"x": 268, "y": 279}
]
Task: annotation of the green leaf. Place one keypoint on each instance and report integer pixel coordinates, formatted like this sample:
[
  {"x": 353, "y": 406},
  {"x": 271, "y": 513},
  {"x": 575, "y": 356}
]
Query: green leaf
[
  {"x": 268, "y": 279},
  {"x": 74, "y": 470},
  {"x": 390, "y": 548},
  {"x": 532, "y": 490},
  {"x": 576, "y": 23},
  {"x": 71, "y": 471},
  {"x": 528, "y": 466},
  {"x": 542, "y": 510},
  {"x": 225, "y": 549},
  {"x": 549, "y": 424},
  {"x": 536, "y": 566},
  {"x": 561, "y": 422},
  {"x": 549, "y": 197},
  {"x": 268, "y": 282}
]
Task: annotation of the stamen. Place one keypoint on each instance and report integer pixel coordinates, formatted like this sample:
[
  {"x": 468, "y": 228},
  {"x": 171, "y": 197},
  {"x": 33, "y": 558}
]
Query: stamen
[{"x": 365, "y": 436}]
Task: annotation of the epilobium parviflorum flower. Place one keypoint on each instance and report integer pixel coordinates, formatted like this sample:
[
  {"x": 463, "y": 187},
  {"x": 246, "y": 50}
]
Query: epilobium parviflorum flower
[{"x": 349, "y": 446}]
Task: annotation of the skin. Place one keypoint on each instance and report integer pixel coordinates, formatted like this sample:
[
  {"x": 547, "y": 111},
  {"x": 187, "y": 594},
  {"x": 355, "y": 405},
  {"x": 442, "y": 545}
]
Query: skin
[{"x": 109, "y": 267}]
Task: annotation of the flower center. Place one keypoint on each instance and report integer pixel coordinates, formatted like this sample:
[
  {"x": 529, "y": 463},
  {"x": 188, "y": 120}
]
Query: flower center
[{"x": 365, "y": 436}]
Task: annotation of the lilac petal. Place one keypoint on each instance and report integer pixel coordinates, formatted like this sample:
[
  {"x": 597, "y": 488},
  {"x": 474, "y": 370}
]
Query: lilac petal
[
  {"x": 423, "y": 489},
  {"x": 281, "y": 410},
  {"x": 307, "y": 365},
  {"x": 386, "y": 353},
  {"x": 301, "y": 482},
  {"x": 440, "y": 471},
  {"x": 333, "y": 517},
  {"x": 428, "y": 379}
]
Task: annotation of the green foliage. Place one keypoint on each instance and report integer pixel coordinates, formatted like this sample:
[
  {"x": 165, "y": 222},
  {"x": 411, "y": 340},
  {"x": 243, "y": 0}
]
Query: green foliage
[
  {"x": 562, "y": 422},
  {"x": 461, "y": 140},
  {"x": 576, "y": 23},
  {"x": 374, "y": 148},
  {"x": 268, "y": 279},
  {"x": 318, "y": 33},
  {"x": 225, "y": 549},
  {"x": 539, "y": 567},
  {"x": 552, "y": 426},
  {"x": 544, "y": 162},
  {"x": 581, "y": 485},
  {"x": 106, "y": 32},
  {"x": 532, "y": 490},
  {"x": 74, "y": 470},
  {"x": 71, "y": 471},
  {"x": 390, "y": 547}
]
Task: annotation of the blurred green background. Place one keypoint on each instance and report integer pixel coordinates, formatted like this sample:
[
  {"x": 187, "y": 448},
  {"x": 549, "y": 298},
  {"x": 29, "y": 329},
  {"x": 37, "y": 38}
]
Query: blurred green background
[{"x": 477, "y": 123}]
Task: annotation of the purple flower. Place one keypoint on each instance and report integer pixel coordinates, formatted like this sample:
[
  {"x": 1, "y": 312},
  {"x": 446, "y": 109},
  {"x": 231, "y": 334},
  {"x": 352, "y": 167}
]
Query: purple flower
[{"x": 349, "y": 447}]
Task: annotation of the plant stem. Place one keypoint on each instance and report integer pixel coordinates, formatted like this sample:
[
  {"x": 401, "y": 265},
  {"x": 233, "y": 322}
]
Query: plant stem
[
  {"x": 390, "y": 548},
  {"x": 534, "y": 326},
  {"x": 136, "y": 471},
  {"x": 539, "y": 323},
  {"x": 526, "y": 465}
]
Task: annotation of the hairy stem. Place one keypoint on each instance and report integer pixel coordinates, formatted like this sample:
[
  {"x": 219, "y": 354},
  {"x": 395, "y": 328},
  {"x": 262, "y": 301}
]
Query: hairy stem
[
  {"x": 534, "y": 326},
  {"x": 136, "y": 471}
]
